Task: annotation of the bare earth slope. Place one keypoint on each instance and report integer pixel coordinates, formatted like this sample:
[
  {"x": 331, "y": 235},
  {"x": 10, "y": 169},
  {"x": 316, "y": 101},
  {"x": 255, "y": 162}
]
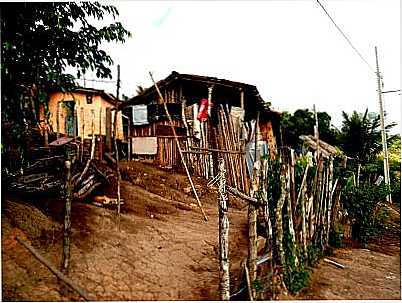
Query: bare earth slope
[{"x": 164, "y": 250}]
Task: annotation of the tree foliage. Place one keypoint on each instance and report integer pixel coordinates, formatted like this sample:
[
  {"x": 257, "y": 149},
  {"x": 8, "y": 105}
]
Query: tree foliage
[
  {"x": 302, "y": 123},
  {"x": 360, "y": 136},
  {"x": 38, "y": 42}
]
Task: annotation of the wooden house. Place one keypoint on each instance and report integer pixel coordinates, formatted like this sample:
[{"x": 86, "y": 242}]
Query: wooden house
[
  {"x": 71, "y": 113},
  {"x": 212, "y": 118}
]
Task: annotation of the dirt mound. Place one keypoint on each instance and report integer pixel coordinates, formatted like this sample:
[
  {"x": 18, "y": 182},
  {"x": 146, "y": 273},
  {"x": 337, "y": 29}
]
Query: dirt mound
[{"x": 30, "y": 219}]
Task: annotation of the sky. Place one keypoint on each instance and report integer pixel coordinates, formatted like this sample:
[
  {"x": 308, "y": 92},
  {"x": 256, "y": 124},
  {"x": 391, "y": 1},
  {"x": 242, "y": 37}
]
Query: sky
[{"x": 289, "y": 49}]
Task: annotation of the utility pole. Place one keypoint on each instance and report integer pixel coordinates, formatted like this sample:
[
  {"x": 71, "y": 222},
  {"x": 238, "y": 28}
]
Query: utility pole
[
  {"x": 316, "y": 133},
  {"x": 383, "y": 134},
  {"x": 118, "y": 82}
]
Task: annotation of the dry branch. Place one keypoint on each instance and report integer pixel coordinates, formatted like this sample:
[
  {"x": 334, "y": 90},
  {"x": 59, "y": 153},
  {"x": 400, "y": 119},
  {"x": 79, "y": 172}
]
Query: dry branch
[{"x": 83, "y": 293}]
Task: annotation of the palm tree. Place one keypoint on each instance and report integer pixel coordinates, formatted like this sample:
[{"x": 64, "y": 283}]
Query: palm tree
[{"x": 360, "y": 136}]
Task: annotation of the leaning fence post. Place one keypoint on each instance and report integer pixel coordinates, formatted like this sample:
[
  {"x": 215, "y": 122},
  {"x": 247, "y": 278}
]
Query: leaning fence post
[
  {"x": 67, "y": 220},
  {"x": 223, "y": 233}
]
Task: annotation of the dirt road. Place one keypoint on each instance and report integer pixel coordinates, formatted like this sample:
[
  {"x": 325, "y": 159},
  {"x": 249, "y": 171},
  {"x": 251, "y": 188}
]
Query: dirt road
[
  {"x": 163, "y": 251},
  {"x": 372, "y": 273}
]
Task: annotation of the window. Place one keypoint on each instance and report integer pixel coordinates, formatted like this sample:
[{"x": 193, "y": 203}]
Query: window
[{"x": 89, "y": 98}]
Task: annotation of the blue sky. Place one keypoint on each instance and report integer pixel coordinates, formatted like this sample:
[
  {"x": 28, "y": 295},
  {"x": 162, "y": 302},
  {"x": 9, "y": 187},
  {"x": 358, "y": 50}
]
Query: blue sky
[{"x": 289, "y": 49}]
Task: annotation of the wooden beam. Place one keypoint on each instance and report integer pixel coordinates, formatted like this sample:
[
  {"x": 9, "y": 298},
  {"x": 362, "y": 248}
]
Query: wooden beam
[
  {"x": 218, "y": 150},
  {"x": 83, "y": 293}
]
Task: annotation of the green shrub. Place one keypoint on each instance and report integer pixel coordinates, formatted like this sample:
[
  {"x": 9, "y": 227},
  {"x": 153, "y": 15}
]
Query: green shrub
[
  {"x": 396, "y": 192},
  {"x": 336, "y": 236},
  {"x": 361, "y": 204}
]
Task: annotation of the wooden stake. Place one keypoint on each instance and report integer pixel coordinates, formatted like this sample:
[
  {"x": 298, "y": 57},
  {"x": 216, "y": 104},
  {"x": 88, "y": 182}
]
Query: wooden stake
[
  {"x": 179, "y": 148},
  {"x": 290, "y": 213},
  {"x": 278, "y": 213},
  {"x": 252, "y": 227},
  {"x": 224, "y": 233},
  {"x": 67, "y": 220},
  {"x": 117, "y": 167}
]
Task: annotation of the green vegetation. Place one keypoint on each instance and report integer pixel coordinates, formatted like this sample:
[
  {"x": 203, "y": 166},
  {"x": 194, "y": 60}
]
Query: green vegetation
[
  {"x": 363, "y": 206},
  {"x": 38, "y": 42},
  {"x": 302, "y": 123}
]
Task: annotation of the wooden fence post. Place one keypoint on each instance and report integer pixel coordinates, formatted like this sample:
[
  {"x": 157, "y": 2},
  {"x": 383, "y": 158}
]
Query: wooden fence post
[
  {"x": 278, "y": 212},
  {"x": 108, "y": 129},
  {"x": 252, "y": 227},
  {"x": 117, "y": 166},
  {"x": 67, "y": 219},
  {"x": 223, "y": 233}
]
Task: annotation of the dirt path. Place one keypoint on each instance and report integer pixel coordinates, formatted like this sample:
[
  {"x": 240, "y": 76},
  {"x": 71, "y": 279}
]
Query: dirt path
[
  {"x": 372, "y": 273},
  {"x": 164, "y": 250}
]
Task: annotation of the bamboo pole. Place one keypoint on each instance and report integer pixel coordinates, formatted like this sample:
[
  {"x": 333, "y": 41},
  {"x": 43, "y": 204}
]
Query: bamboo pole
[
  {"x": 218, "y": 150},
  {"x": 179, "y": 148},
  {"x": 83, "y": 293},
  {"x": 67, "y": 220},
  {"x": 223, "y": 233}
]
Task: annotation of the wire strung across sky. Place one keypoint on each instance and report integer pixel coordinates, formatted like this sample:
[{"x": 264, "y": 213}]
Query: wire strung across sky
[{"x": 347, "y": 39}]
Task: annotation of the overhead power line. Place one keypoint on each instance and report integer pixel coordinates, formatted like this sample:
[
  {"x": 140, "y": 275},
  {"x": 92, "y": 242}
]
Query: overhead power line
[{"x": 347, "y": 39}]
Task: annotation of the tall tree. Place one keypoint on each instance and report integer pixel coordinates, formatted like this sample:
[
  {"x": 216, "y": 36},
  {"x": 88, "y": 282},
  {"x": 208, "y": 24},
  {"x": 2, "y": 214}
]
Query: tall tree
[
  {"x": 38, "y": 42},
  {"x": 302, "y": 123}
]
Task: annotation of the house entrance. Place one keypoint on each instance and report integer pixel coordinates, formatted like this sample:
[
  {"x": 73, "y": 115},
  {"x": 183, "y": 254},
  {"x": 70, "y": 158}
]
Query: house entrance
[{"x": 70, "y": 118}]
